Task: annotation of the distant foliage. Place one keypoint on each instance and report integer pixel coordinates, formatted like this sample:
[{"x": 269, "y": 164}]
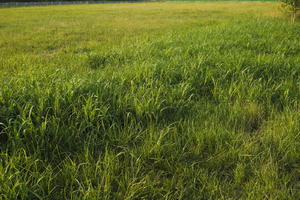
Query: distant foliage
[
  {"x": 7, "y": 1},
  {"x": 290, "y": 2},
  {"x": 292, "y": 6}
]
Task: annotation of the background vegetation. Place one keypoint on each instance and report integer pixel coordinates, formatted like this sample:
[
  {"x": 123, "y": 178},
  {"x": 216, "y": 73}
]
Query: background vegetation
[
  {"x": 149, "y": 101},
  {"x": 7, "y": 1},
  {"x": 4, "y": 1}
]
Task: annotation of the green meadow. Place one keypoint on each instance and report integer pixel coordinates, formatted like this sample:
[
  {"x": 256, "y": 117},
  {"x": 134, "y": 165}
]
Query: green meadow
[{"x": 166, "y": 100}]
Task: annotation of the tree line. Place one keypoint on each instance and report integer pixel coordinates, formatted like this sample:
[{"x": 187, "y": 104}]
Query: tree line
[{"x": 8, "y": 1}]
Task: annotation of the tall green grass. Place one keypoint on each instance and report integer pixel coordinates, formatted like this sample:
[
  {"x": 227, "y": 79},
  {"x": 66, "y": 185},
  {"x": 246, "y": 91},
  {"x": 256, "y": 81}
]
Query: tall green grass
[{"x": 106, "y": 102}]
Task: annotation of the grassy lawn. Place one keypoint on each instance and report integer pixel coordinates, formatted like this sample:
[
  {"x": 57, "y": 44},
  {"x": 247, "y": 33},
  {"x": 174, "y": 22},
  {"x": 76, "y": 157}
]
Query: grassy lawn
[{"x": 168, "y": 100}]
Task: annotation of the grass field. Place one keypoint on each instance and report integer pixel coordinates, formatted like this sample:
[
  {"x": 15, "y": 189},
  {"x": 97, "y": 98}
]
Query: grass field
[{"x": 161, "y": 100}]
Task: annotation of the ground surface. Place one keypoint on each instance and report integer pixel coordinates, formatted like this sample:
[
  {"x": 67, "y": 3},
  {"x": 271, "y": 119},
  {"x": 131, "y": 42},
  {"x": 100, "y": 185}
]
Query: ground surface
[{"x": 149, "y": 101}]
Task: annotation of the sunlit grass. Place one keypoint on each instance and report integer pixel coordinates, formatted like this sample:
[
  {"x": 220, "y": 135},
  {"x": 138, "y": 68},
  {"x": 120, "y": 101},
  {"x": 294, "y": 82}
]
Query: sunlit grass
[{"x": 194, "y": 100}]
